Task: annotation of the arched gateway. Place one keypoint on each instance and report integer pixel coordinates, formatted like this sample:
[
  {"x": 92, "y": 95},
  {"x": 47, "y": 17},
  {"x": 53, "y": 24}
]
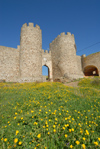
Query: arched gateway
[
  {"x": 91, "y": 70},
  {"x": 46, "y": 61}
]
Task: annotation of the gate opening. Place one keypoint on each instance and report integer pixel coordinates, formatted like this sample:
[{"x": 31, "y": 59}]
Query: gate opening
[
  {"x": 45, "y": 73},
  {"x": 91, "y": 71}
]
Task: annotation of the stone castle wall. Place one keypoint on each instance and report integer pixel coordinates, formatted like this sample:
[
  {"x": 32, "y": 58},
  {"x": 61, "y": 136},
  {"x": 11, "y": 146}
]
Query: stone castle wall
[
  {"x": 64, "y": 59},
  {"x": 9, "y": 64},
  {"x": 24, "y": 64},
  {"x": 31, "y": 53},
  {"x": 92, "y": 60},
  {"x": 47, "y": 61},
  {"x": 79, "y": 63}
]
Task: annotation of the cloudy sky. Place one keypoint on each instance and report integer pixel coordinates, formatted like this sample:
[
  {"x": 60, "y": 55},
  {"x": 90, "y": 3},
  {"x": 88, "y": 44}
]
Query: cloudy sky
[{"x": 80, "y": 17}]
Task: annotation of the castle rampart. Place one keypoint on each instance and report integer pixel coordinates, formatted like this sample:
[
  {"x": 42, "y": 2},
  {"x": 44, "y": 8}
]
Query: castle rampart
[
  {"x": 63, "y": 51},
  {"x": 47, "y": 61},
  {"x": 91, "y": 63},
  {"x": 24, "y": 64},
  {"x": 31, "y": 53},
  {"x": 9, "y": 64}
]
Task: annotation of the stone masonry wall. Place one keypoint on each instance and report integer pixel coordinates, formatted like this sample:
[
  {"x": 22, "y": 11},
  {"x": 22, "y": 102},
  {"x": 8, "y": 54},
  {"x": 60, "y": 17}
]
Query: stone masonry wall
[
  {"x": 47, "y": 61},
  {"x": 79, "y": 63},
  {"x": 64, "y": 60},
  {"x": 92, "y": 60},
  {"x": 9, "y": 64},
  {"x": 24, "y": 64},
  {"x": 31, "y": 53},
  {"x": 55, "y": 55}
]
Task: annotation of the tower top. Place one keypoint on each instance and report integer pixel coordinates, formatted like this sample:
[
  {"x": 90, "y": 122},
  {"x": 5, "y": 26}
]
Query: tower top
[{"x": 31, "y": 25}]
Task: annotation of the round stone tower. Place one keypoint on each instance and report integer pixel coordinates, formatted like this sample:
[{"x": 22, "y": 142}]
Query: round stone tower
[
  {"x": 64, "y": 59},
  {"x": 30, "y": 53}
]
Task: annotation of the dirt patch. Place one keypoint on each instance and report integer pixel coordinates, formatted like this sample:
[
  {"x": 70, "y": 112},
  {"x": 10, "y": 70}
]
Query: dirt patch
[{"x": 73, "y": 84}]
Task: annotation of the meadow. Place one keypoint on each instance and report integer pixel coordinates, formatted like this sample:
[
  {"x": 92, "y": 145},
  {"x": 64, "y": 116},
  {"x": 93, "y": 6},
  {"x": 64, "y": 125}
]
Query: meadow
[{"x": 50, "y": 115}]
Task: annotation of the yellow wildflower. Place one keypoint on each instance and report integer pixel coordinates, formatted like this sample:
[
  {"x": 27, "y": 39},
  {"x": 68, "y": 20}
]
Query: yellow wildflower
[
  {"x": 54, "y": 126},
  {"x": 15, "y": 140},
  {"x": 65, "y": 135},
  {"x": 55, "y": 119},
  {"x": 54, "y": 130},
  {"x": 14, "y": 145},
  {"x": 39, "y": 135},
  {"x": 71, "y": 146},
  {"x": 66, "y": 125},
  {"x": 77, "y": 142},
  {"x": 32, "y": 111},
  {"x": 5, "y": 139},
  {"x": 20, "y": 143},
  {"x": 87, "y": 133},
  {"x": 35, "y": 123},
  {"x": 96, "y": 143},
  {"x": 37, "y": 144},
  {"x": 1, "y": 139},
  {"x": 83, "y": 145},
  {"x": 84, "y": 138},
  {"x": 17, "y": 132},
  {"x": 99, "y": 139},
  {"x": 70, "y": 130}
]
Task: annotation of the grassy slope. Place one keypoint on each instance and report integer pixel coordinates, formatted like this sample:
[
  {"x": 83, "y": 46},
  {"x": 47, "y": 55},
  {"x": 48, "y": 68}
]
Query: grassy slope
[{"x": 49, "y": 115}]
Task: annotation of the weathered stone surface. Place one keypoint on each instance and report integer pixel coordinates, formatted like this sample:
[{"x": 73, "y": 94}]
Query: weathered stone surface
[
  {"x": 64, "y": 59},
  {"x": 24, "y": 64}
]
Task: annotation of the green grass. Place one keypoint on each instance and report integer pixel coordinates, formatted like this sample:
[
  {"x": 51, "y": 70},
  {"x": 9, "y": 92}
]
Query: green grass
[
  {"x": 90, "y": 82},
  {"x": 49, "y": 116}
]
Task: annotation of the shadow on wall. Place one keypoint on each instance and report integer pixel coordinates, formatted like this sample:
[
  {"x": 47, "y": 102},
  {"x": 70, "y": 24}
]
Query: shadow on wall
[{"x": 91, "y": 71}]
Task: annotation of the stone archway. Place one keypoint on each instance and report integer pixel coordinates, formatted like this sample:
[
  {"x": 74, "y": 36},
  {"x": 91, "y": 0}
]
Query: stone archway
[
  {"x": 46, "y": 77},
  {"x": 91, "y": 70},
  {"x": 46, "y": 61}
]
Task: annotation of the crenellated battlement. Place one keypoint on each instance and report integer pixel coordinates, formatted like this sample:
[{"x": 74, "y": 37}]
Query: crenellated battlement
[
  {"x": 46, "y": 52},
  {"x": 37, "y": 26},
  {"x": 30, "y": 25},
  {"x": 24, "y": 25},
  {"x": 62, "y": 34},
  {"x": 83, "y": 56},
  {"x": 46, "y": 59},
  {"x": 18, "y": 47},
  {"x": 67, "y": 35}
]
